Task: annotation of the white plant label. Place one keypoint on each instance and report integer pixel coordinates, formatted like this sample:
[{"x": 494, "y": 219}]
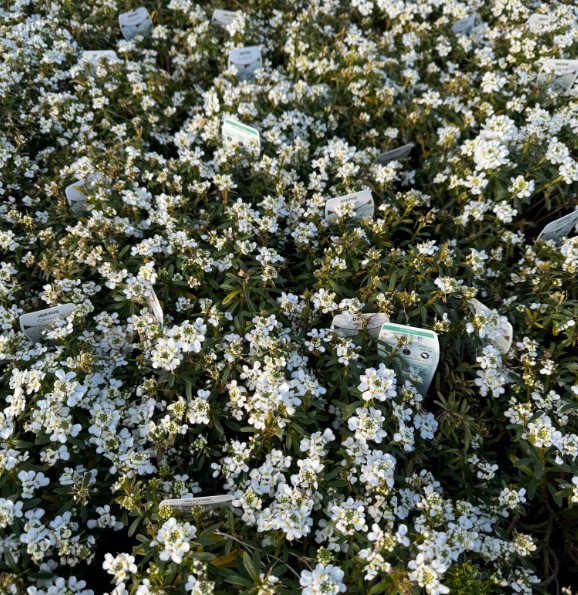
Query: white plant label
[
  {"x": 347, "y": 326},
  {"x": 504, "y": 342},
  {"x": 395, "y": 154},
  {"x": 237, "y": 134},
  {"x": 538, "y": 21},
  {"x": 223, "y": 17},
  {"x": 206, "y": 503},
  {"x": 33, "y": 323},
  {"x": 464, "y": 26},
  {"x": 419, "y": 349},
  {"x": 559, "y": 75},
  {"x": 246, "y": 60},
  {"x": 560, "y": 228},
  {"x": 154, "y": 305},
  {"x": 135, "y": 23},
  {"x": 76, "y": 197},
  {"x": 98, "y": 55},
  {"x": 361, "y": 203},
  {"x": 76, "y": 193}
]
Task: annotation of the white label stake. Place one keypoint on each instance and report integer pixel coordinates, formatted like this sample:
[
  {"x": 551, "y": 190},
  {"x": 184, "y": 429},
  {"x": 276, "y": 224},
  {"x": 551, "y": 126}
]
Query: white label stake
[
  {"x": 361, "y": 203},
  {"x": 222, "y": 18},
  {"x": 559, "y": 228},
  {"x": 559, "y": 75},
  {"x": 538, "y": 21},
  {"x": 33, "y": 323},
  {"x": 186, "y": 505},
  {"x": 395, "y": 154},
  {"x": 346, "y": 325},
  {"x": 154, "y": 305},
  {"x": 464, "y": 26},
  {"x": 247, "y": 60},
  {"x": 136, "y": 22}
]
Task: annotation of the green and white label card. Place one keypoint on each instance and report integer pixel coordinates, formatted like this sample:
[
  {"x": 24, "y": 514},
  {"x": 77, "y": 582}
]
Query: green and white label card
[
  {"x": 358, "y": 205},
  {"x": 33, "y": 323},
  {"x": 418, "y": 348},
  {"x": 235, "y": 134}
]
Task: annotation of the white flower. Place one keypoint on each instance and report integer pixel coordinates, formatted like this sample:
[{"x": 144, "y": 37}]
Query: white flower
[
  {"x": 174, "y": 537},
  {"x": 324, "y": 580},
  {"x": 367, "y": 424},
  {"x": 378, "y": 384},
  {"x": 119, "y": 566}
]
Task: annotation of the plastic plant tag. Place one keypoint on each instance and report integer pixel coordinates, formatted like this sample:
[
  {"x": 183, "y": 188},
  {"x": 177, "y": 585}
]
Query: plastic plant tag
[
  {"x": 76, "y": 197},
  {"x": 348, "y": 326},
  {"x": 418, "y": 348},
  {"x": 33, "y": 323},
  {"x": 246, "y": 60},
  {"x": 395, "y": 154},
  {"x": 136, "y": 22},
  {"x": 75, "y": 193},
  {"x": 464, "y": 26},
  {"x": 502, "y": 343},
  {"x": 237, "y": 134},
  {"x": 538, "y": 21},
  {"x": 559, "y": 75},
  {"x": 186, "y": 505},
  {"x": 361, "y": 202},
  {"x": 223, "y": 17},
  {"x": 559, "y": 228},
  {"x": 98, "y": 55},
  {"x": 154, "y": 305}
]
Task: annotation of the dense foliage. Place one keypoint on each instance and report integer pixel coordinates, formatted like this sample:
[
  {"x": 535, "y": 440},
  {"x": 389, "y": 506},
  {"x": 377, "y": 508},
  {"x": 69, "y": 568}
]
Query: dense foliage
[{"x": 344, "y": 477}]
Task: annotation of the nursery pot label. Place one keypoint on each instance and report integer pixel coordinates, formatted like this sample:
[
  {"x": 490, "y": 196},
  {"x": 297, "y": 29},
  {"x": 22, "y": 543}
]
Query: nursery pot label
[
  {"x": 223, "y": 17},
  {"x": 135, "y": 22},
  {"x": 559, "y": 228},
  {"x": 395, "y": 154},
  {"x": 362, "y": 203},
  {"x": 347, "y": 326},
  {"x": 419, "y": 349},
  {"x": 246, "y": 60},
  {"x": 154, "y": 305},
  {"x": 538, "y": 21},
  {"x": 33, "y": 323},
  {"x": 464, "y": 26},
  {"x": 206, "y": 503},
  {"x": 237, "y": 134},
  {"x": 559, "y": 75}
]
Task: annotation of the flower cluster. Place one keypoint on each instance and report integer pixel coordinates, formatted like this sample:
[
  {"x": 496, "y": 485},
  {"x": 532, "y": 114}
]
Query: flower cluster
[{"x": 199, "y": 354}]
